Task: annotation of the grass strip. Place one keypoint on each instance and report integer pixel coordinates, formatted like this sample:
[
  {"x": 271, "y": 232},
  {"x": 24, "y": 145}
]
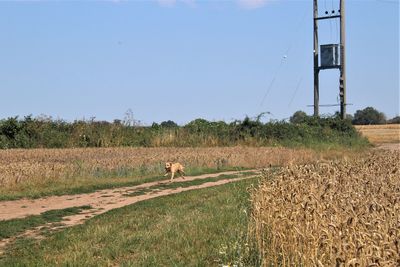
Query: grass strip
[
  {"x": 206, "y": 227},
  {"x": 10, "y": 228}
]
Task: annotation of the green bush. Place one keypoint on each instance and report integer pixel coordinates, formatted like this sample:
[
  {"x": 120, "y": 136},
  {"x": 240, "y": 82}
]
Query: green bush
[{"x": 47, "y": 133}]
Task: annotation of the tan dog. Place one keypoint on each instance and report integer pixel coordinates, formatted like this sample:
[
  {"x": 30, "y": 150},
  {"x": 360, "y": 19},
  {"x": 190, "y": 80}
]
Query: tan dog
[{"x": 173, "y": 168}]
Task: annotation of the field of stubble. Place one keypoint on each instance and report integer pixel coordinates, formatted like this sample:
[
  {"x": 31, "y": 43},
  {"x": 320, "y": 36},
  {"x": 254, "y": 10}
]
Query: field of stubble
[{"x": 378, "y": 134}]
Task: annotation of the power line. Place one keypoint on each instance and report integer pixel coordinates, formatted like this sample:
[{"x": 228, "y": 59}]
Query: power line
[
  {"x": 330, "y": 105},
  {"x": 284, "y": 57},
  {"x": 272, "y": 81},
  {"x": 295, "y": 91},
  {"x": 300, "y": 80}
]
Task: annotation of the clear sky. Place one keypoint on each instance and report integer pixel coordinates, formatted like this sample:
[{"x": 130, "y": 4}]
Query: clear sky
[{"x": 187, "y": 59}]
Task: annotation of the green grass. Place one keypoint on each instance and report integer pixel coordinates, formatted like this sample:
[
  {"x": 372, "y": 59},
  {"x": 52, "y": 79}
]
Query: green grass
[
  {"x": 206, "y": 227},
  {"x": 88, "y": 185},
  {"x": 14, "y": 227},
  {"x": 340, "y": 143}
]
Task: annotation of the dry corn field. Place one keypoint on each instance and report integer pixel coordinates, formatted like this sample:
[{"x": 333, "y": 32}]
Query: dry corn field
[
  {"x": 35, "y": 166},
  {"x": 339, "y": 213},
  {"x": 40, "y": 165},
  {"x": 385, "y": 133}
]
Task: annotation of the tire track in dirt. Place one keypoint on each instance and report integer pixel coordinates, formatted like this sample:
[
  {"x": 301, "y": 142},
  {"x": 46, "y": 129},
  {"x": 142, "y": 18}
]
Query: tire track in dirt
[
  {"x": 101, "y": 202},
  {"x": 21, "y": 208}
]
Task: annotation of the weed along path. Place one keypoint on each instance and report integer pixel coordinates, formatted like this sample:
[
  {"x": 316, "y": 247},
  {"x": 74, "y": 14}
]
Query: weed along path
[{"x": 104, "y": 200}]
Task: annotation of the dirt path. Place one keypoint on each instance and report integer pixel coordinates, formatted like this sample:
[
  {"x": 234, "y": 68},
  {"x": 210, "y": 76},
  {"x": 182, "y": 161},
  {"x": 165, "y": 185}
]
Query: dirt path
[{"x": 100, "y": 201}]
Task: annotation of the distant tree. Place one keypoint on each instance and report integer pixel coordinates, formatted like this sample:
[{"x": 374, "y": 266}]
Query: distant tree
[
  {"x": 369, "y": 115},
  {"x": 197, "y": 125},
  {"x": 168, "y": 124},
  {"x": 395, "y": 120},
  {"x": 10, "y": 127},
  {"x": 298, "y": 117}
]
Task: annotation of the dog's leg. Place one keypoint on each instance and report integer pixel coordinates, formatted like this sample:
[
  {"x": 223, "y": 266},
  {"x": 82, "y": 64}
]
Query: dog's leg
[
  {"x": 182, "y": 174},
  {"x": 166, "y": 174},
  {"x": 172, "y": 176}
]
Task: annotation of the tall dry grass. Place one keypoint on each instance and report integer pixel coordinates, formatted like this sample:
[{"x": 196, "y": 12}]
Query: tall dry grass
[
  {"x": 339, "y": 213},
  {"x": 35, "y": 166},
  {"x": 383, "y": 133}
]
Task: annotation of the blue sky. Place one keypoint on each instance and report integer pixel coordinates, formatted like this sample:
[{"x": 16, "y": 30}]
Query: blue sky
[{"x": 187, "y": 59}]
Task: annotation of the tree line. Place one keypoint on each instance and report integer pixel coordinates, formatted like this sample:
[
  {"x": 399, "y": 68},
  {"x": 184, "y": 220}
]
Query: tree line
[
  {"x": 30, "y": 132},
  {"x": 366, "y": 116}
]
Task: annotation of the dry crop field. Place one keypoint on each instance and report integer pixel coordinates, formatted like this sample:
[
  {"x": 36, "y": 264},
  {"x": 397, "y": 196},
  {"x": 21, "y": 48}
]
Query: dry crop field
[
  {"x": 323, "y": 208},
  {"x": 344, "y": 213},
  {"x": 39, "y": 166},
  {"x": 384, "y": 133}
]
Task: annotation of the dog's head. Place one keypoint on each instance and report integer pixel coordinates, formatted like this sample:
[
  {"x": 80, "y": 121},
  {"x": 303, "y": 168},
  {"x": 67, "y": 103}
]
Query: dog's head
[{"x": 168, "y": 165}]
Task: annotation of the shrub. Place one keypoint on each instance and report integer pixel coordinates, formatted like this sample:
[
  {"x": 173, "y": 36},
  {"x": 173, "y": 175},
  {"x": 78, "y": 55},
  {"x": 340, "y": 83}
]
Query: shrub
[{"x": 36, "y": 132}]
